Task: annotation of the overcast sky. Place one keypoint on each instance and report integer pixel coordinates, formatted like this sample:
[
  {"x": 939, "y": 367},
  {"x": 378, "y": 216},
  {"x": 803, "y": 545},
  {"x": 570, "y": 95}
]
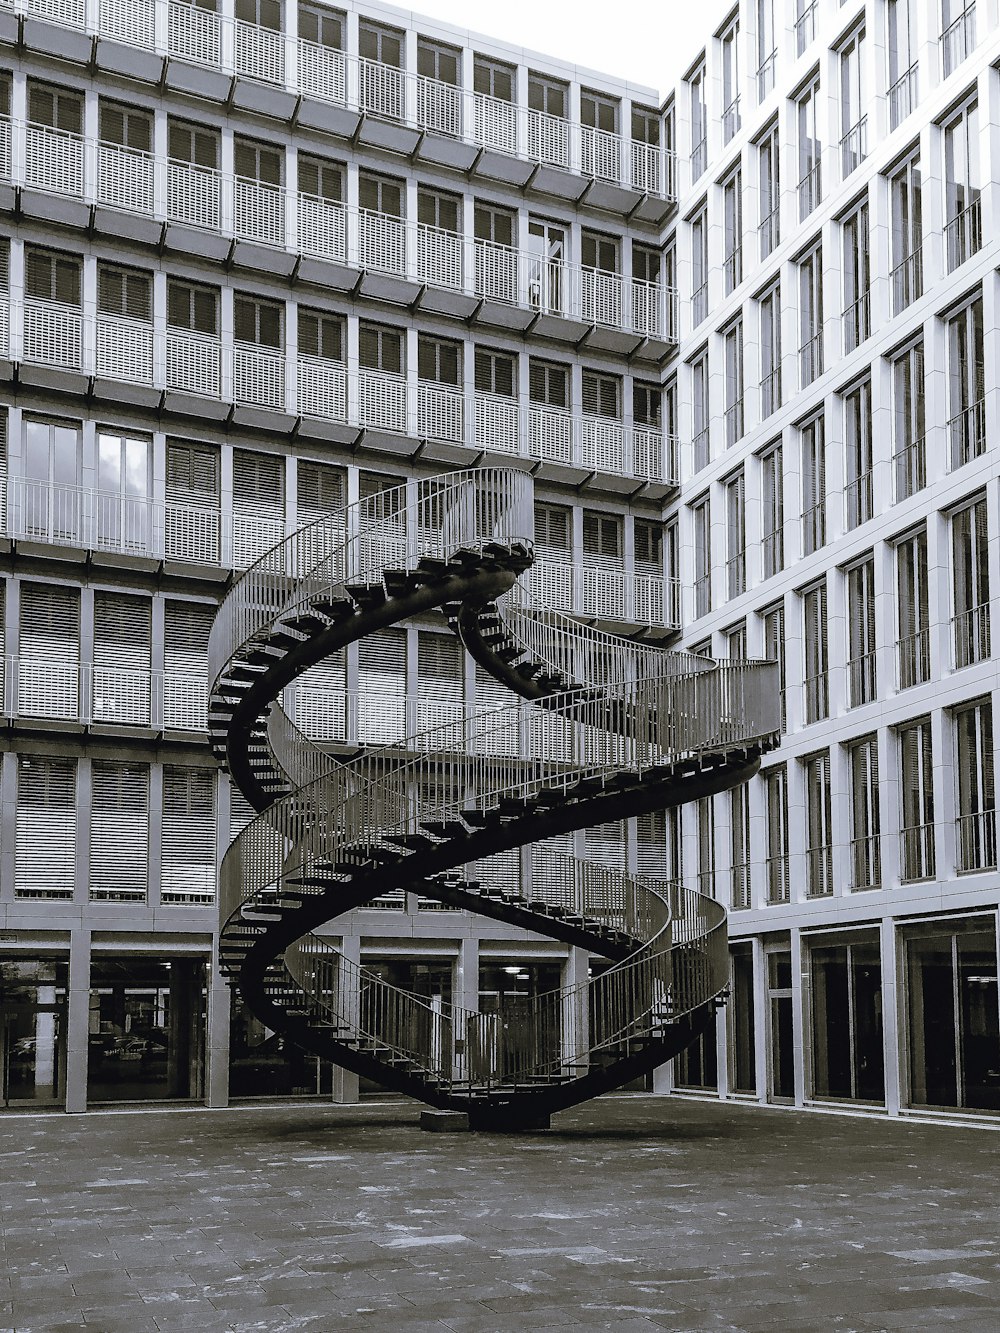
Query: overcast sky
[{"x": 645, "y": 41}]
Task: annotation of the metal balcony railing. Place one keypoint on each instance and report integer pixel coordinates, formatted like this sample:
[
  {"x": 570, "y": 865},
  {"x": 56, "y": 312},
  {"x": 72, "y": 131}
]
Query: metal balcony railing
[
  {"x": 859, "y": 499},
  {"x": 198, "y": 36},
  {"x": 819, "y": 871},
  {"x": 866, "y": 863},
  {"x": 37, "y": 687},
  {"x": 811, "y": 360},
  {"x": 777, "y": 879},
  {"x": 916, "y": 852},
  {"x": 967, "y": 432},
  {"x": 976, "y": 838},
  {"x": 805, "y": 27},
  {"x": 971, "y": 635},
  {"x": 907, "y": 280},
  {"x": 857, "y": 321},
  {"x": 902, "y": 97},
  {"x": 910, "y": 468},
  {"x": 854, "y": 147},
  {"x": 765, "y": 76},
  {"x": 963, "y": 234},
  {"x": 913, "y": 656},
  {"x": 810, "y": 191},
  {"x": 958, "y": 40},
  {"x": 861, "y": 679}
]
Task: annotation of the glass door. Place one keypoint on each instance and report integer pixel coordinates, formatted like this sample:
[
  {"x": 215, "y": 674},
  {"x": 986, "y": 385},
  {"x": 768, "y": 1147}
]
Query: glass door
[
  {"x": 32, "y": 1033},
  {"x": 546, "y": 267}
]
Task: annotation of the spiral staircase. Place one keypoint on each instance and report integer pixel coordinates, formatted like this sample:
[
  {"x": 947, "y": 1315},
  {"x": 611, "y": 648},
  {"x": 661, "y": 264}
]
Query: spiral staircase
[{"x": 603, "y": 729}]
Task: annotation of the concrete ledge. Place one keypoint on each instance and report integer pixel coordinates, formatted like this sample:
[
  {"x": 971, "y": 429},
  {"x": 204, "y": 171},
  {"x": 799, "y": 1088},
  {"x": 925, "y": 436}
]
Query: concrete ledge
[{"x": 444, "y": 1122}]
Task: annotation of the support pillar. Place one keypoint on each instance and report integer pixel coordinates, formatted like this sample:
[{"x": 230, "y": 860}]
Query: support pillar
[
  {"x": 77, "y": 1020},
  {"x": 346, "y": 1091}
]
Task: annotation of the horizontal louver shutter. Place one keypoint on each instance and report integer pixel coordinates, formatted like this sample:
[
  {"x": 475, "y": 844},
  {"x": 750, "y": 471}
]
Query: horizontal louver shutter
[
  {"x": 122, "y": 646},
  {"x": 192, "y": 519},
  {"x": 651, "y": 844},
  {"x": 382, "y": 687},
  {"x": 440, "y": 688},
  {"x": 322, "y": 491},
  {"x": 320, "y": 694},
  {"x": 186, "y": 627},
  {"x": 601, "y": 395},
  {"x": 119, "y": 831},
  {"x": 45, "y": 827},
  {"x": 241, "y": 812},
  {"x": 258, "y": 505},
  {"x": 188, "y": 856},
  {"x": 552, "y": 864},
  {"x": 192, "y": 474},
  {"x": 501, "y": 733},
  {"x": 49, "y": 651}
]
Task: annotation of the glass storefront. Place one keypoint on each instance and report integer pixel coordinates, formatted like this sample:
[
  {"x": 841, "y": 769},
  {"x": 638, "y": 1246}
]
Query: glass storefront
[
  {"x": 520, "y": 1026},
  {"x": 781, "y": 1027},
  {"x": 740, "y": 1016},
  {"x": 147, "y": 1029},
  {"x": 847, "y": 1049},
  {"x": 953, "y": 1020},
  {"x": 32, "y": 1032},
  {"x": 697, "y": 1066}
]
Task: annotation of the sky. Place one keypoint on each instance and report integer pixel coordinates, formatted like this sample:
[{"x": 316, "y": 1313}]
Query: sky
[{"x": 645, "y": 41}]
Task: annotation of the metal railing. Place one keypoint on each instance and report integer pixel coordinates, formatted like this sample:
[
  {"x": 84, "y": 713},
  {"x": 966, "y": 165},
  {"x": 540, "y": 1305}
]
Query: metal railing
[
  {"x": 976, "y": 839},
  {"x": 178, "y": 31},
  {"x": 866, "y": 863},
  {"x": 854, "y": 147},
  {"x": 971, "y": 635},
  {"x": 963, "y": 234},
  {"x": 87, "y": 693},
  {"x": 861, "y": 676},
  {"x": 903, "y": 97},
  {"x": 907, "y": 280},
  {"x": 913, "y": 657},
  {"x": 916, "y": 852},
  {"x": 958, "y": 40},
  {"x": 766, "y": 75},
  {"x": 967, "y": 432},
  {"x": 805, "y": 27},
  {"x": 910, "y": 468}
]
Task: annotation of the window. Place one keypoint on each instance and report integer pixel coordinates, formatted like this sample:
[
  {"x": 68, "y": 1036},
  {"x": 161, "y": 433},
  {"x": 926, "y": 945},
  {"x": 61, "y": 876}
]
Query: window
[
  {"x": 866, "y": 860},
  {"x": 816, "y": 652},
  {"x": 380, "y": 349},
  {"x": 437, "y": 61},
  {"x": 492, "y": 78},
  {"x": 125, "y": 127},
  {"x": 732, "y": 219},
  {"x": 193, "y": 483},
  {"x": 733, "y": 352},
  {"x": 774, "y": 648},
  {"x": 705, "y": 818},
  {"x": 739, "y": 847},
  {"x": 776, "y": 804},
  {"x": 813, "y": 485},
  {"x": 810, "y": 187},
  {"x": 699, "y": 121},
  {"x": 971, "y": 583},
  {"x": 599, "y": 117},
  {"x": 811, "y": 316},
  {"x": 45, "y": 827},
  {"x": 260, "y": 162},
  {"x": 958, "y": 33},
  {"x": 192, "y": 307},
  {"x": 379, "y": 194},
  {"x": 963, "y": 230},
  {"x": 124, "y": 292},
  {"x": 49, "y": 276},
  {"x": 909, "y": 452},
  {"x": 805, "y": 24},
  {"x": 819, "y": 825},
  {"x": 736, "y": 642},
  {"x": 548, "y": 383},
  {"x": 384, "y": 46},
  {"x": 547, "y": 266},
  {"x": 767, "y": 52},
  {"x": 187, "y": 835},
  {"x": 861, "y": 670},
  {"x": 442, "y": 211},
  {"x": 772, "y": 510},
  {"x": 258, "y": 504},
  {"x": 48, "y": 669},
  {"x": 853, "y": 120},
  {"x": 857, "y": 278},
  {"x": 119, "y": 831},
  {"x": 123, "y": 485},
  {"x": 602, "y": 395},
  {"x": 701, "y": 520},
  {"x": 494, "y": 226},
  {"x": 976, "y": 835},
  {"x": 321, "y": 334},
  {"x": 907, "y": 237},
  {"x": 699, "y": 267},
  {"x": 769, "y": 305},
  {"x": 257, "y": 322},
  {"x": 916, "y": 796},
  {"x": 322, "y": 27},
  {"x": 730, "y": 50},
  {"x": 51, "y": 507},
  {"x": 736, "y": 535},
  {"x": 902, "y": 55},
  {"x": 913, "y": 627},
  {"x": 700, "y": 411},
  {"x": 769, "y": 183},
  {"x": 966, "y": 406},
  {"x": 193, "y": 145},
  {"x": 186, "y": 629},
  {"x": 55, "y": 108},
  {"x": 647, "y": 405},
  {"x": 439, "y": 360},
  {"x": 549, "y": 96},
  {"x": 553, "y": 528},
  {"x": 496, "y": 373},
  {"x": 859, "y": 489},
  {"x": 263, "y": 13},
  {"x": 648, "y": 547}
]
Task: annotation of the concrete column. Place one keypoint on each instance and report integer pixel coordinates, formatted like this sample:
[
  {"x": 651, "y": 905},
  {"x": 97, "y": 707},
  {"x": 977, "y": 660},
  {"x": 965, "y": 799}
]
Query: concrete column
[
  {"x": 345, "y": 1083},
  {"x": 576, "y": 1014},
  {"x": 800, "y": 1013},
  {"x": 78, "y": 1019},
  {"x": 894, "y": 1042}
]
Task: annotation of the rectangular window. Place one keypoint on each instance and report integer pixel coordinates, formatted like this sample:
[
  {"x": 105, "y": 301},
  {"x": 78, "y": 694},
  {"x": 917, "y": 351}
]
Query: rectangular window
[
  {"x": 548, "y": 383},
  {"x": 819, "y": 825},
  {"x": 810, "y": 186},
  {"x": 857, "y": 278},
  {"x": 193, "y": 307},
  {"x": 866, "y": 860},
  {"x": 958, "y": 33},
  {"x": 439, "y": 360},
  {"x": 699, "y": 122},
  {"x": 705, "y": 817},
  {"x": 813, "y": 435},
  {"x": 51, "y": 509},
  {"x": 772, "y": 511},
  {"x": 701, "y": 522},
  {"x": 496, "y": 373},
  {"x": 907, "y": 235},
  {"x": 776, "y": 804},
  {"x": 733, "y": 353},
  {"x": 192, "y": 519},
  {"x": 119, "y": 831},
  {"x": 384, "y": 46},
  {"x": 48, "y": 666},
  {"x": 736, "y": 535},
  {"x": 913, "y": 625},
  {"x": 908, "y": 443},
  {"x": 853, "y": 119},
  {"x": 859, "y": 488},
  {"x": 443, "y": 212},
  {"x": 54, "y": 277},
  {"x": 963, "y": 229},
  {"x": 548, "y": 96},
  {"x": 816, "y": 652},
  {"x": 439, "y": 62},
  {"x": 55, "y": 108},
  {"x": 811, "y": 316},
  {"x": 769, "y": 183},
  {"x": 258, "y": 504},
  {"x": 193, "y": 146},
  {"x": 321, "y": 179},
  {"x": 122, "y": 659},
  {"x": 188, "y": 835},
  {"x": 901, "y": 49},
  {"x": 258, "y": 323},
  {"x": 729, "y": 42},
  {"x": 767, "y": 51},
  {"x": 700, "y": 441},
  {"x": 124, "y": 293},
  {"x": 125, "y": 127},
  {"x": 493, "y": 78},
  {"x": 805, "y": 24},
  {"x": 917, "y": 860},
  {"x": 45, "y": 827},
  {"x": 186, "y": 628},
  {"x": 970, "y": 584},
  {"x": 262, "y": 163},
  {"x": 699, "y": 267},
  {"x": 861, "y": 659},
  {"x": 380, "y": 349},
  {"x": 769, "y": 305},
  {"x": 975, "y": 821},
  {"x": 739, "y": 847},
  {"x": 602, "y": 395},
  {"x": 322, "y": 27},
  {"x": 774, "y": 648},
  {"x": 321, "y": 335},
  {"x": 966, "y": 386},
  {"x": 732, "y": 223}
]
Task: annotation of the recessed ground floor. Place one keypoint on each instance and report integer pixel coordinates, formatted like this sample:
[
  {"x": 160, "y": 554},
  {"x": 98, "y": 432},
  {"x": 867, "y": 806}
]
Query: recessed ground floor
[{"x": 632, "y": 1213}]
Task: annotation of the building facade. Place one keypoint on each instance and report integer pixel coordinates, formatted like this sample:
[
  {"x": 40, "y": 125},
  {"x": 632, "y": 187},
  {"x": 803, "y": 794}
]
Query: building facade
[{"x": 264, "y": 260}]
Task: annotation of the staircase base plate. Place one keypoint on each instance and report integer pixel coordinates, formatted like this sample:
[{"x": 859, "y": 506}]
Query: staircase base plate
[{"x": 444, "y": 1122}]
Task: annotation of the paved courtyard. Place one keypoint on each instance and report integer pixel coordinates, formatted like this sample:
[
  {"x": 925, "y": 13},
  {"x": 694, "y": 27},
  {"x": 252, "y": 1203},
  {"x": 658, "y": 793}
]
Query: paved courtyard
[{"x": 633, "y": 1213}]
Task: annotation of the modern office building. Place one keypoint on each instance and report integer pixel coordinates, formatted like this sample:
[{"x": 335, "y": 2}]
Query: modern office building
[{"x": 265, "y": 260}]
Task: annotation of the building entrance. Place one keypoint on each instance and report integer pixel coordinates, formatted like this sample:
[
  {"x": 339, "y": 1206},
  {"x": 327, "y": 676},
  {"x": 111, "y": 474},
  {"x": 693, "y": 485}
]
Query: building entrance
[{"x": 32, "y": 1032}]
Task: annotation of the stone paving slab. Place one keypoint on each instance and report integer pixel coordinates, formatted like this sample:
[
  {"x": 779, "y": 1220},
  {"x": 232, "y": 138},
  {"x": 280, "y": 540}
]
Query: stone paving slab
[{"x": 633, "y": 1213}]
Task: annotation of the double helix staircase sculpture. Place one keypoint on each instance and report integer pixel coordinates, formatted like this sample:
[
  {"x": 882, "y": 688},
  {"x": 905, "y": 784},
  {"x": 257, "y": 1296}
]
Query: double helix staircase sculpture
[{"x": 602, "y": 729}]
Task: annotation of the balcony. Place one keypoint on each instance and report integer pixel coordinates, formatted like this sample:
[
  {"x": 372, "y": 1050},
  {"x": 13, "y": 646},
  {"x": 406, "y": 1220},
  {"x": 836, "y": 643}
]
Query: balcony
[
  {"x": 777, "y": 880},
  {"x": 967, "y": 433},
  {"x": 861, "y": 679},
  {"x": 92, "y": 695},
  {"x": 903, "y": 97},
  {"x": 916, "y": 853},
  {"x": 909, "y": 466},
  {"x": 407, "y": 105},
  {"x": 854, "y": 147},
  {"x": 971, "y": 635},
  {"x": 963, "y": 234},
  {"x": 958, "y": 40},
  {"x": 866, "y": 863},
  {"x": 913, "y": 656},
  {"x": 976, "y": 841},
  {"x": 819, "y": 871},
  {"x": 907, "y": 280}
]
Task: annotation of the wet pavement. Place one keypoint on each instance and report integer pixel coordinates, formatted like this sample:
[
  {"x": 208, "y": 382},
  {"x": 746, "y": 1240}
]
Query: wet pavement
[{"x": 631, "y": 1213}]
